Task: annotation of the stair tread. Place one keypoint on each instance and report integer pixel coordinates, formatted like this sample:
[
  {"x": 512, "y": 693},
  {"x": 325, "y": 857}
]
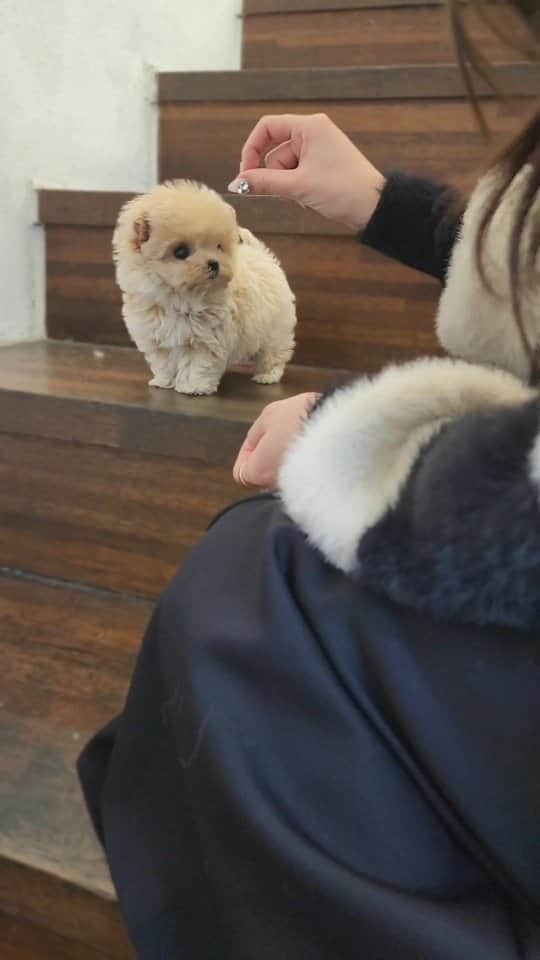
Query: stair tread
[
  {"x": 400, "y": 82},
  {"x": 87, "y": 447},
  {"x": 255, "y": 7},
  {"x": 86, "y": 393},
  {"x": 67, "y": 656},
  {"x": 119, "y": 375},
  {"x": 100, "y": 208}
]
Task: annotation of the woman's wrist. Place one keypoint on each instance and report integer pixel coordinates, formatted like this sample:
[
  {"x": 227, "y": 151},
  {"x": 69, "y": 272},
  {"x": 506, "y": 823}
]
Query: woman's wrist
[{"x": 366, "y": 201}]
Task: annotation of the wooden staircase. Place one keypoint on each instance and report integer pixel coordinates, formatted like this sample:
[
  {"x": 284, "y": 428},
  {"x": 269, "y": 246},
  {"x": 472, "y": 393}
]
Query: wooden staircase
[
  {"x": 105, "y": 483},
  {"x": 66, "y": 657}
]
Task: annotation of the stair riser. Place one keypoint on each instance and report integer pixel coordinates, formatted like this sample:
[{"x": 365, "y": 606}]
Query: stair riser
[
  {"x": 436, "y": 137},
  {"x": 67, "y": 656},
  {"x": 108, "y": 518},
  {"x": 372, "y": 36},
  {"x": 356, "y": 310}
]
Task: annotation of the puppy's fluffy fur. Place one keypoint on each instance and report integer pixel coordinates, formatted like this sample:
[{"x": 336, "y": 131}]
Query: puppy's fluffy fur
[{"x": 199, "y": 293}]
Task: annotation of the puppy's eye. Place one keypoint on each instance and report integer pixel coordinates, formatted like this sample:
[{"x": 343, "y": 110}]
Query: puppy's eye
[
  {"x": 220, "y": 247},
  {"x": 182, "y": 252}
]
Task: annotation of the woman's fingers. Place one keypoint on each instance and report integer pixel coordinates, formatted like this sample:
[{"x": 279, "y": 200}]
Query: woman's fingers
[
  {"x": 253, "y": 436},
  {"x": 310, "y": 160},
  {"x": 283, "y": 157},
  {"x": 269, "y": 183},
  {"x": 261, "y": 453},
  {"x": 269, "y": 132}
]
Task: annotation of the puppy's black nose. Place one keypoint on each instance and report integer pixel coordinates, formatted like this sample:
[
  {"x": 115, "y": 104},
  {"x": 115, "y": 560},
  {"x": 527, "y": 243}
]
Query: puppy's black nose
[{"x": 213, "y": 266}]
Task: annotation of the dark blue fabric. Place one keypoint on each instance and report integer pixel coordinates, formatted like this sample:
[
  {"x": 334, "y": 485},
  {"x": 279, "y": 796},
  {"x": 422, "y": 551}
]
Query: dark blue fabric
[
  {"x": 303, "y": 772},
  {"x": 463, "y": 542}
]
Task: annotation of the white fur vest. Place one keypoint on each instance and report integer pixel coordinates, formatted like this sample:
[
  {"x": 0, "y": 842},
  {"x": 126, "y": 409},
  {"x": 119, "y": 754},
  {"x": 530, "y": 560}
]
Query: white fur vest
[{"x": 424, "y": 481}]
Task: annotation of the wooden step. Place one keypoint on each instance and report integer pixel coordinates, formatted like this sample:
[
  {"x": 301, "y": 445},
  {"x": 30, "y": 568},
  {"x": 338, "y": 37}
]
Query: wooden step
[
  {"x": 21, "y": 940},
  {"x": 411, "y": 118},
  {"x": 108, "y": 482},
  {"x": 67, "y": 655},
  {"x": 342, "y": 33},
  {"x": 356, "y": 309}
]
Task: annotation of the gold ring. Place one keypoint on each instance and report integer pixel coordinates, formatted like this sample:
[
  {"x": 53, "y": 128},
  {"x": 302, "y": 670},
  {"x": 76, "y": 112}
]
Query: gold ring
[{"x": 241, "y": 477}]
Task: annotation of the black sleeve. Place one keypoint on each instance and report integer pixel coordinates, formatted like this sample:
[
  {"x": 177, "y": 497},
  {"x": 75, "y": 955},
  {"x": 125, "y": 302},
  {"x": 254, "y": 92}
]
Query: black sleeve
[{"x": 416, "y": 222}]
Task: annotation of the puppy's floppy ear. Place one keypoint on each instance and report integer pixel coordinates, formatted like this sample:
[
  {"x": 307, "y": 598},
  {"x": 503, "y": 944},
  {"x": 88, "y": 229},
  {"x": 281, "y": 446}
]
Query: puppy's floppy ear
[{"x": 141, "y": 231}]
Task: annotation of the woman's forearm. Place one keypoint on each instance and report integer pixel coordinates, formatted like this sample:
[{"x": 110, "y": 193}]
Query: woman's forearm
[{"x": 416, "y": 222}]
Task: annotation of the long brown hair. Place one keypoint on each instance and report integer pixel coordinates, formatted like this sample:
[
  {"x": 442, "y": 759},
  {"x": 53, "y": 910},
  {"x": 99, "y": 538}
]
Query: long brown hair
[{"x": 524, "y": 150}]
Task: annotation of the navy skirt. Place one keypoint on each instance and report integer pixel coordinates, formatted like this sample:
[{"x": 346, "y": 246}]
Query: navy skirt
[{"x": 304, "y": 772}]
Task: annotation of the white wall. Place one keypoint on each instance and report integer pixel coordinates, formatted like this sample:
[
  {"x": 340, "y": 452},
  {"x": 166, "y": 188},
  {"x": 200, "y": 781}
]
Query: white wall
[{"x": 77, "y": 89}]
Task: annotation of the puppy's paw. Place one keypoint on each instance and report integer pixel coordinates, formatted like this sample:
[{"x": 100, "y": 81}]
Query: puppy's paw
[
  {"x": 273, "y": 375},
  {"x": 162, "y": 382}
]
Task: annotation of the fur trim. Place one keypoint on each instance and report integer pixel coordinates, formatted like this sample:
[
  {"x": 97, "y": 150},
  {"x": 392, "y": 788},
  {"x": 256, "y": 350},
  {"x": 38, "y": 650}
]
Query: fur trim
[
  {"x": 463, "y": 543},
  {"x": 357, "y": 450},
  {"x": 472, "y": 322}
]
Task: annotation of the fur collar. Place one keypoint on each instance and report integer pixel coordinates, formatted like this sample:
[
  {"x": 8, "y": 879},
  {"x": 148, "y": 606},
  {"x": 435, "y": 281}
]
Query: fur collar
[
  {"x": 424, "y": 481},
  {"x": 472, "y": 322},
  {"x": 357, "y": 450},
  {"x": 424, "y": 484}
]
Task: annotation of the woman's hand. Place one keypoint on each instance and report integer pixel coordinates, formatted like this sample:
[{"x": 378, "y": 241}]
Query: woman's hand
[
  {"x": 310, "y": 160},
  {"x": 262, "y": 452}
]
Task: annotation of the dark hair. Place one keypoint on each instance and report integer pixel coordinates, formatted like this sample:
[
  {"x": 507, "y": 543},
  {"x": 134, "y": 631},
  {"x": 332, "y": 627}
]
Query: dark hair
[{"x": 524, "y": 150}]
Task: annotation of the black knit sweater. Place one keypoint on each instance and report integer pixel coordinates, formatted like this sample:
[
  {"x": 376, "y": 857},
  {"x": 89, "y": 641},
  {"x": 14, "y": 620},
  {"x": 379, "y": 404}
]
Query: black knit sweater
[{"x": 416, "y": 222}]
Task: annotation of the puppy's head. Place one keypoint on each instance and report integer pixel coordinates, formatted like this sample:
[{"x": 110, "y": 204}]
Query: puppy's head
[{"x": 181, "y": 234}]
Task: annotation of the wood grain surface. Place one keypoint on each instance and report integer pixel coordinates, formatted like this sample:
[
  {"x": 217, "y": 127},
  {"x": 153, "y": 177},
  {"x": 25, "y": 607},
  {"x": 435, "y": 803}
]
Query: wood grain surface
[
  {"x": 255, "y": 7},
  {"x": 67, "y": 656},
  {"x": 107, "y": 482},
  {"x": 266, "y": 215},
  {"x": 437, "y": 138},
  {"x": 356, "y": 309},
  {"x": 374, "y": 35},
  {"x": 22, "y": 940},
  {"x": 105, "y": 395},
  {"x": 405, "y": 82},
  {"x": 103, "y": 517}
]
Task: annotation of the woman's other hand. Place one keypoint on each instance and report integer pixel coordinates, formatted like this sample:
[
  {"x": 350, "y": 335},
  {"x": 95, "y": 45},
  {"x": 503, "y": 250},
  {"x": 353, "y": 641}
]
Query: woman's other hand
[{"x": 266, "y": 443}]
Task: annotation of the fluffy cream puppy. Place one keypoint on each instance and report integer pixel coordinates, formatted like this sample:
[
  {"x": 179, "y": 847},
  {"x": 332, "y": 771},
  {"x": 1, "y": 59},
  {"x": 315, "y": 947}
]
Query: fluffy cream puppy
[{"x": 200, "y": 294}]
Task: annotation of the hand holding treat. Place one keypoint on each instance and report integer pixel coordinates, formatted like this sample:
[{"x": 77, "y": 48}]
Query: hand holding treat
[{"x": 310, "y": 160}]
